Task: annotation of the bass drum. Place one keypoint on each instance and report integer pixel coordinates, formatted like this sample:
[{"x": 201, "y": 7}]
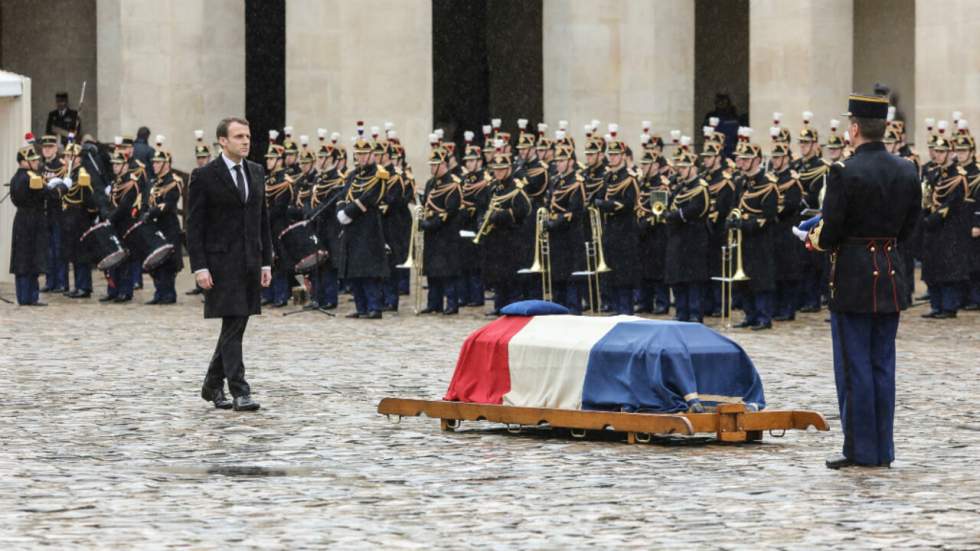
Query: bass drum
[
  {"x": 149, "y": 243},
  {"x": 299, "y": 242},
  {"x": 100, "y": 241}
]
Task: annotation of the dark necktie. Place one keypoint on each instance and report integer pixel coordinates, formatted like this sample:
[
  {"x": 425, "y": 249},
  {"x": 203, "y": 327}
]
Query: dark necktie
[{"x": 240, "y": 182}]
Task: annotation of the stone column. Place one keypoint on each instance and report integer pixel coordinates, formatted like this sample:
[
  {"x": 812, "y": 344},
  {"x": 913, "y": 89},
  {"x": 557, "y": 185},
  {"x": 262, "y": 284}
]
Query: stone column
[
  {"x": 368, "y": 60},
  {"x": 619, "y": 61},
  {"x": 172, "y": 66},
  {"x": 800, "y": 59},
  {"x": 947, "y": 63}
]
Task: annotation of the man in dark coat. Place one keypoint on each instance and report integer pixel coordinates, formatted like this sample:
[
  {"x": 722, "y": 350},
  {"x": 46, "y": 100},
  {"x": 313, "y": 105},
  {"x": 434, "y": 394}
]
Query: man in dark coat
[
  {"x": 396, "y": 218},
  {"x": 687, "y": 239},
  {"x": 363, "y": 251},
  {"x": 63, "y": 120},
  {"x": 871, "y": 205},
  {"x": 80, "y": 208},
  {"x": 966, "y": 155},
  {"x": 476, "y": 191},
  {"x": 161, "y": 210},
  {"x": 754, "y": 219},
  {"x": 231, "y": 255},
  {"x": 566, "y": 232},
  {"x": 440, "y": 227},
  {"x": 789, "y": 250},
  {"x": 500, "y": 232},
  {"x": 721, "y": 190},
  {"x": 123, "y": 210},
  {"x": 29, "y": 246},
  {"x": 52, "y": 168},
  {"x": 327, "y": 191}
]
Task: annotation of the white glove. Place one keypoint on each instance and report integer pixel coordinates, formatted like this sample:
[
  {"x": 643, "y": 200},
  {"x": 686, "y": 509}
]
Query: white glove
[
  {"x": 68, "y": 182},
  {"x": 343, "y": 218},
  {"x": 108, "y": 190},
  {"x": 54, "y": 182},
  {"x": 800, "y": 234}
]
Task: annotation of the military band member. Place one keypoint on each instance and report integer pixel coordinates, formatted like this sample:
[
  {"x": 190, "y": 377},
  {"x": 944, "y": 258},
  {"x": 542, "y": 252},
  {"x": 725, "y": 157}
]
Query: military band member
[
  {"x": 396, "y": 217},
  {"x": 123, "y": 210},
  {"x": 79, "y": 211},
  {"x": 280, "y": 196},
  {"x": 566, "y": 235},
  {"x": 945, "y": 235},
  {"x": 363, "y": 256},
  {"x": 290, "y": 156},
  {"x": 789, "y": 250},
  {"x": 135, "y": 168},
  {"x": 162, "y": 204},
  {"x": 812, "y": 177},
  {"x": 440, "y": 231},
  {"x": 476, "y": 191},
  {"x": 966, "y": 155},
  {"x": 501, "y": 232},
  {"x": 757, "y": 210},
  {"x": 328, "y": 190},
  {"x": 530, "y": 170},
  {"x": 620, "y": 239},
  {"x": 872, "y": 203},
  {"x": 687, "y": 270},
  {"x": 52, "y": 168},
  {"x": 29, "y": 246},
  {"x": 721, "y": 191},
  {"x": 654, "y": 294}
]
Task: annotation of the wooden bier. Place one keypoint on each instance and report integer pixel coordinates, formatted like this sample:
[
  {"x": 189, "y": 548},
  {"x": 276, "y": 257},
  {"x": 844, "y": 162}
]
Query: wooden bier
[{"x": 729, "y": 422}]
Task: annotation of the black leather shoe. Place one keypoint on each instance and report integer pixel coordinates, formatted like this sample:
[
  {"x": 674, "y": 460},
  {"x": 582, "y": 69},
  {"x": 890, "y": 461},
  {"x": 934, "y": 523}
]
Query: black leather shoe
[
  {"x": 106, "y": 298},
  {"x": 390, "y": 308},
  {"x": 121, "y": 300},
  {"x": 427, "y": 311},
  {"x": 45, "y": 289},
  {"x": 810, "y": 309},
  {"x": 353, "y": 315},
  {"x": 839, "y": 462},
  {"x": 244, "y": 403},
  {"x": 216, "y": 396},
  {"x": 266, "y": 302},
  {"x": 279, "y": 304},
  {"x": 743, "y": 324},
  {"x": 38, "y": 304},
  {"x": 714, "y": 314},
  {"x": 80, "y": 294},
  {"x": 642, "y": 310},
  {"x": 945, "y": 315},
  {"x": 194, "y": 291},
  {"x": 783, "y": 318},
  {"x": 329, "y": 306},
  {"x": 167, "y": 301},
  {"x": 971, "y": 307},
  {"x": 660, "y": 311},
  {"x": 762, "y": 326},
  {"x": 492, "y": 313},
  {"x": 311, "y": 306},
  {"x": 450, "y": 312},
  {"x": 930, "y": 315},
  {"x": 151, "y": 302},
  {"x": 373, "y": 315}
]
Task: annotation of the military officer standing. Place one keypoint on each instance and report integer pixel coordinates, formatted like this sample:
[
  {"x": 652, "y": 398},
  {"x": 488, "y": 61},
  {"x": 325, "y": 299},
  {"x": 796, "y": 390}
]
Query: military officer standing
[
  {"x": 476, "y": 191},
  {"x": 618, "y": 203},
  {"x": 872, "y": 203},
  {"x": 328, "y": 190},
  {"x": 123, "y": 210},
  {"x": 721, "y": 190},
  {"x": 63, "y": 120},
  {"x": 280, "y": 196},
  {"x": 755, "y": 220},
  {"x": 566, "y": 236},
  {"x": 440, "y": 226},
  {"x": 653, "y": 295},
  {"x": 165, "y": 195},
  {"x": 79, "y": 210},
  {"x": 29, "y": 246},
  {"x": 812, "y": 177},
  {"x": 789, "y": 250},
  {"x": 397, "y": 218},
  {"x": 363, "y": 257},
  {"x": 687, "y": 239},
  {"x": 967, "y": 156},
  {"x": 52, "y": 168}
]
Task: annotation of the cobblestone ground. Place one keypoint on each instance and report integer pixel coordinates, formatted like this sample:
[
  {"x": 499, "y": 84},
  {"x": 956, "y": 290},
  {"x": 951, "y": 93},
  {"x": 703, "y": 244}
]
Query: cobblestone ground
[{"x": 106, "y": 443}]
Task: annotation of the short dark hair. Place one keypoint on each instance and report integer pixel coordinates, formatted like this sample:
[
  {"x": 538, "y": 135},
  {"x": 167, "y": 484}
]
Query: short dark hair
[
  {"x": 143, "y": 133},
  {"x": 870, "y": 129},
  {"x": 222, "y": 131}
]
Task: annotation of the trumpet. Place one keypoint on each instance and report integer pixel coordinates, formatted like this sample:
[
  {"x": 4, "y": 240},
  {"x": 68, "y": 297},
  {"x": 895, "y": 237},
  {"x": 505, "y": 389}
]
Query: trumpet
[
  {"x": 595, "y": 260},
  {"x": 416, "y": 246},
  {"x": 486, "y": 227},
  {"x": 542, "y": 254},
  {"x": 731, "y": 268}
]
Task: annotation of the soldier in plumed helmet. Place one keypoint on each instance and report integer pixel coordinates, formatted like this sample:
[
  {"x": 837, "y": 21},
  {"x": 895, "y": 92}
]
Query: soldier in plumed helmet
[
  {"x": 721, "y": 192},
  {"x": 812, "y": 176},
  {"x": 123, "y": 210},
  {"x": 654, "y": 294},
  {"x": 165, "y": 196},
  {"x": 565, "y": 227},
  {"x": 29, "y": 246},
  {"x": 687, "y": 270},
  {"x": 440, "y": 225},
  {"x": 80, "y": 207},
  {"x": 476, "y": 191},
  {"x": 52, "y": 168},
  {"x": 396, "y": 215},
  {"x": 789, "y": 250},
  {"x": 966, "y": 154},
  {"x": 279, "y": 198}
]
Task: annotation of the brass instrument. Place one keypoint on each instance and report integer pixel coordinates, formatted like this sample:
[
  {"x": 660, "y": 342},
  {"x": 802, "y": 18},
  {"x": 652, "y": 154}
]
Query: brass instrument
[
  {"x": 542, "y": 254},
  {"x": 486, "y": 227},
  {"x": 416, "y": 246},
  {"x": 730, "y": 274},
  {"x": 595, "y": 261},
  {"x": 658, "y": 201}
]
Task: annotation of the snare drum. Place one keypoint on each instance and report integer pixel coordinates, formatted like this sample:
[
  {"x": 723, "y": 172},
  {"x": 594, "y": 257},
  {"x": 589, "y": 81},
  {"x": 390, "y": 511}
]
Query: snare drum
[
  {"x": 149, "y": 243},
  {"x": 300, "y": 244},
  {"x": 101, "y": 242}
]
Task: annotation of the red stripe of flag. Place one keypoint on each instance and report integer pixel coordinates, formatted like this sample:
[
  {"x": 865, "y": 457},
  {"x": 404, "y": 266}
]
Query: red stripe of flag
[{"x": 483, "y": 368}]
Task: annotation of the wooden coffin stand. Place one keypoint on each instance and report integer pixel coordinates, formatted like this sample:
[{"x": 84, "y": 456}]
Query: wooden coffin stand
[{"x": 728, "y": 422}]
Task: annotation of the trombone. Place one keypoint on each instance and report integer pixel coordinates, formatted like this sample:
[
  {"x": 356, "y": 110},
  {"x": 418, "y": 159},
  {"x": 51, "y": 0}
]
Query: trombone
[
  {"x": 414, "y": 260},
  {"x": 731, "y": 268},
  {"x": 595, "y": 261},
  {"x": 542, "y": 254}
]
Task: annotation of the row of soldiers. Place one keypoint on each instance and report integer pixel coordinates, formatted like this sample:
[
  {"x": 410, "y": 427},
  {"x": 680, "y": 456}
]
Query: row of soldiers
[
  {"x": 657, "y": 224},
  {"x": 62, "y": 195}
]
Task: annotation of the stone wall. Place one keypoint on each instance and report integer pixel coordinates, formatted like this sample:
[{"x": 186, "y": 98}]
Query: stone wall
[
  {"x": 369, "y": 60},
  {"x": 172, "y": 66}
]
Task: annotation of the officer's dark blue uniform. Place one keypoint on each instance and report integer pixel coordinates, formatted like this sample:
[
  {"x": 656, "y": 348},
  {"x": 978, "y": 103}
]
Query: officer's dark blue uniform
[{"x": 871, "y": 205}]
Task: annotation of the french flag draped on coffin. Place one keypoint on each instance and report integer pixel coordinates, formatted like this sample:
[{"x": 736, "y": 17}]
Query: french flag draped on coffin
[{"x": 620, "y": 363}]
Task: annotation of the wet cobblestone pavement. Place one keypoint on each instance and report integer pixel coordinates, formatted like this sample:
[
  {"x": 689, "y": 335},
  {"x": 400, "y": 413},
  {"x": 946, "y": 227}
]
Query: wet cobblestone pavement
[{"x": 105, "y": 442}]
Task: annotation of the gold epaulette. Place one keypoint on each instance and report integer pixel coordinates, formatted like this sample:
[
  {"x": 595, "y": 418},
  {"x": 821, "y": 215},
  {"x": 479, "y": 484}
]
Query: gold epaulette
[
  {"x": 456, "y": 179},
  {"x": 730, "y": 164},
  {"x": 772, "y": 177},
  {"x": 794, "y": 174},
  {"x": 961, "y": 171},
  {"x": 726, "y": 174},
  {"x": 839, "y": 163},
  {"x": 35, "y": 181},
  {"x": 520, "y": 183},
  {"x": 382, "y": 173},
  {"x": 536, "y": 171},
  {"x": 84, "y": 179},
  {"x": 579, "y": 177}
]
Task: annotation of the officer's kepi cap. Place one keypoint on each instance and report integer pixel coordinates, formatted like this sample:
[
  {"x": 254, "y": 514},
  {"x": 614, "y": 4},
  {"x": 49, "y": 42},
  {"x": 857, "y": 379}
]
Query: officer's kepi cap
[{"x": 867, "y": 107}]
